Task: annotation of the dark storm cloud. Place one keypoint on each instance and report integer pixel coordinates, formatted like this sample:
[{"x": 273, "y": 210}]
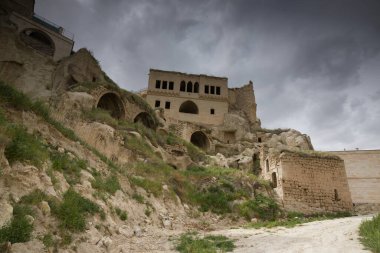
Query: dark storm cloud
[{"x": 315, "y": 64}]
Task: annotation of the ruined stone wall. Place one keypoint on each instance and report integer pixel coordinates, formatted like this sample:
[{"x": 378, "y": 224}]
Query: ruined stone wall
[
  {"x": 243, "y": 99},
  {"x": 363, "y": 173},
  {"x": 314, "y": 184}
]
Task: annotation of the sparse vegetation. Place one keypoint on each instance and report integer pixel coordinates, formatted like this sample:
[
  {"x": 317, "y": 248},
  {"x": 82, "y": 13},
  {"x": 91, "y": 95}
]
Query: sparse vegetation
[
  {"x": 193, "y": 243},
  {"x": 122, "y": 214},
  {"x": 293, "y": 218},
  {"x": 110, "y": 184},
  {"x": 25, "y": 147},
  {"x": 100, "y": 115},
  {"x": 311, "y": 153},
  {"x": 72, "y": 211},
  {"x": 69, "y": 166},
  {"x": 139, "y": 198},
  {"x": 150, "y": 186},
  {"x": 261, "y": 207},
  {"x": 370, "y": 234}
]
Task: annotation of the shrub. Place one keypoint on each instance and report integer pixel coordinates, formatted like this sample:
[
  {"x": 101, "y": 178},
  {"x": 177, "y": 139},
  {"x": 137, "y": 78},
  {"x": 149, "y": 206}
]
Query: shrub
[
  {"x": 370, "y": 233},
  {"x": 215, "y": 199},
  {"x": 73, "y": 210},
  {"x": 192, "y": 243},
  {"x": 25, "y": 147},
  {"x": 261, "y": 207},
  {"x": 110, "y": 184},
  {"x": 48, "y": 240},
  {"x": 122, "y": 214}
]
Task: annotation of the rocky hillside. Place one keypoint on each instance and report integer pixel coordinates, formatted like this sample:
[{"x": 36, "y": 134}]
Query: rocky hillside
[{"x": 59, "y": 192}]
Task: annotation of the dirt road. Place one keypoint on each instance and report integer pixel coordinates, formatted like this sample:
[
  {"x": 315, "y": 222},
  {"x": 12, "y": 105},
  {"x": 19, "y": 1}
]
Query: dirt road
[{"x": 330, "y": 236}]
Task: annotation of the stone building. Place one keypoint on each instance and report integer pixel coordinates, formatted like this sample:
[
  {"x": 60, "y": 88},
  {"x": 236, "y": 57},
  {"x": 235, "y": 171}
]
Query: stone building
[
  {"x": 37, "y": 32},
  {"x": 201, "y": 108},
  {"x": 307, "y": 182}
]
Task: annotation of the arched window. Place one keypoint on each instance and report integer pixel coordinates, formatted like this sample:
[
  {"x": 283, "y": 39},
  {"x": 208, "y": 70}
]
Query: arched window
[
  {"x": 189, "y": 87},
  {"x": 38, "y": 40},
  {"x": 196, "y": 87},
  {"x": 183, "y": 86},
  {"x": 189, "y": 107}
]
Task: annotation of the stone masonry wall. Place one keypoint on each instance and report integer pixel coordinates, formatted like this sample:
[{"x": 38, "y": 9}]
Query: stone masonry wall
[
  {"x": 314, "y": 184},
  {"x": 243, "y": 99}
]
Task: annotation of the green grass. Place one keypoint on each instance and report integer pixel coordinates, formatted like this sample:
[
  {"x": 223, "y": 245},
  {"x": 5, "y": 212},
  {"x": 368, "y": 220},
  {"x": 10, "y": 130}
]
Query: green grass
[
  {"x": 100, "y": 115},
  {"x": 34, "y": 198},
  {"x": 294, "y": 219},
  {"x": 150, "y": 186},
  {"x": 70, "y": 167},
  {"x": 110, "y": 184},
  {"x": 122, "y": 214},
  {"x": 19, "y": 229},
  {"x": 261, "y": 207},
  {"x": 73, "y": 210},
  {"x": 193, "y": 243},
  {"x": 139, "y": 198},
  {"x": 25, "y": 147},
  {"x": 48, "y": 240},
  {"x": 369, "y": 232},
  {"x": 140, "y": 146}
]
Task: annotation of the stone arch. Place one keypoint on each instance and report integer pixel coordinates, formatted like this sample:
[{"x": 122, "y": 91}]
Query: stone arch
[
  {"x": 196, "y": 87},
  {"x": 38, "y": 40},
  {"x": 189, "y": 107},
  {"x": 274, "y": 180},
  {"x": 145, "y": 119},
  {"x": 200, "y": 139},
  {"x": 183, "y": 86},
  {"x": 112, "y": 103},
  {"x": 189, "y": 87}
]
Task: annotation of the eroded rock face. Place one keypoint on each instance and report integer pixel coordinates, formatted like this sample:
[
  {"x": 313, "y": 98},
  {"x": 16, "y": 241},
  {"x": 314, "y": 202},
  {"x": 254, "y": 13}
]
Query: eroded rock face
[
  {"x": 289, "y": 139},
  {"x": 78, "y": 68}
]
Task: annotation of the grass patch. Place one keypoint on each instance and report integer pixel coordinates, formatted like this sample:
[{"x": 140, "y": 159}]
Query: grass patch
[
  {"x": 72, "y": 211},
  {"x": 48, "y": 240},
  {"x": 110, "y": 184},
  {"x": 261, "y": 207},
  {"x": 150, "y": 186},
  {"x": 139, "y": 198},
  {"x": 193, "y": 243},
  {"x": 19, "y": 229},
  {"x": 140, "y": 146},
  {"x": 25, "y": 147},
  {"x": 70, "y": 167},
  {"x": 121, "y": 213},
  {"x": 33, "y": 198},
  {"x": 293, "y": 219},
  {"x": 100, "y": 115},
  {"x": 369, "y": 232}
]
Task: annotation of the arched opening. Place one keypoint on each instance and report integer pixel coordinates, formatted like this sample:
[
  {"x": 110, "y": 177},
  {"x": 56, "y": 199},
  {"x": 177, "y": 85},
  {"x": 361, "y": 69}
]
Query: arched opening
[
  {"x": 113, "y": 104},
  {"x": 145, "y": 119},
  {"x": 189, "y": 107},
  {"x": 189, "y": 87},
  {"x": 200, "y": 140},
  {"x": 274, "y": 180},
  {"x": 38, "y": 40},
  {"x": 196, "y": 87},
  {"x": 183, "y": 86}
]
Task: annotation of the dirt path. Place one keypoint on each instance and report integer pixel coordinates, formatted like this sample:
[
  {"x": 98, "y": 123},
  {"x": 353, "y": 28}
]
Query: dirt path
[{"x": 339, "y": 235}]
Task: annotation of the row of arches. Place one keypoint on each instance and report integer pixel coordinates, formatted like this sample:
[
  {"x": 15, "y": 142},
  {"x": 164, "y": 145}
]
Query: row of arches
[
  {"x": 112, "y": 103},
  {"x": 189, "y": 87}
]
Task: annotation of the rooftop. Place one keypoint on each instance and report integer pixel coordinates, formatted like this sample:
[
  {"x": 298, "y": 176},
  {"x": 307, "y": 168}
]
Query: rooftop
[{"x": 187, "y": 74}]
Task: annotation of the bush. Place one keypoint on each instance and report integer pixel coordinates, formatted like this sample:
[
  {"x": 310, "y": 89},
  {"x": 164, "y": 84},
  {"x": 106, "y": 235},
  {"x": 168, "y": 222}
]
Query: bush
[
  {"x": 73, "y": 210},
  {"x": 25, "y": 147},
  {"x": 192, "y": 243},
  {"x": 261, "y": 207},
  {"x": 215, "y": 199},
  {"x": 110, "y": 184},
  {"x": 370, "y": 234},
  {"x": 122, "y": 214}
]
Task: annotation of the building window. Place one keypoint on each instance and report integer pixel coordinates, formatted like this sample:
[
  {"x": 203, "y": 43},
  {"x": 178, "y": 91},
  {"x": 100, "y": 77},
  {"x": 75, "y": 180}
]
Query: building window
[
  {"x": 183, "y": 86},
  {"x": 217, "y": 90},
  {"x": 167, "y": 105},
  {"x": 274, "y": 180},
  {"x": 171, "y": 85},
  {"x": 189, "y": 107},
  {"x": 165, "y": 85},
  {"x": 158, "y": 84},
  {"x": 206, "y": 89},
  {"x": 212, "y": 90},
  {"x": 157, "y": 103},
  {"x": 212, "y": 111},
  {"x": 196, "y": 87},
  {"x": 189, "y": 87}
]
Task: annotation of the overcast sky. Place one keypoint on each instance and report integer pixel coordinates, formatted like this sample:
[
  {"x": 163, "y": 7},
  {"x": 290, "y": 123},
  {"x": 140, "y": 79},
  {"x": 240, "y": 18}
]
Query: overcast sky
[{"x": 315, "y": 64}]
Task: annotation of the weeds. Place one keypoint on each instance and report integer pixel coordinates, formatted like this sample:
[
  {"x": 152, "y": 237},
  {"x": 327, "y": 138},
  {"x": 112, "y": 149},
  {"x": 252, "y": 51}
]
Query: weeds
[
  {"x": 20, "y": 228},
  {"x": 139, "y": 198},
  {"x": 110, "y": 184},
  {"x": 150, "y": 186},
  {"x": 122, "y": 214},
  {"x": 370, "y": 234},
  {"x": 193, "y": 243},
  {"x": 261, "y": 207},
  {"x": 70, "y": 167}
]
